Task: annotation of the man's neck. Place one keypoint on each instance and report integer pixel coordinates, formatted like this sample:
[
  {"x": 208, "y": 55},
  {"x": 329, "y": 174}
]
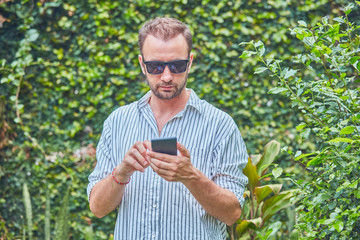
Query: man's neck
[
  {"x": 169, "y": 106},
  {"x": 165, "y": 109}
]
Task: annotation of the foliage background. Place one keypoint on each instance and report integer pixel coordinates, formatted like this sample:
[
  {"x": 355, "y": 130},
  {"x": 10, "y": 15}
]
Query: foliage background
[{"x": 66, "y": 65}]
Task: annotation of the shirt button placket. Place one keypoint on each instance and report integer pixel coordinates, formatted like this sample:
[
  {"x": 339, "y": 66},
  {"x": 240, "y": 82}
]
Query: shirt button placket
[{"x": 155, "y": 206}]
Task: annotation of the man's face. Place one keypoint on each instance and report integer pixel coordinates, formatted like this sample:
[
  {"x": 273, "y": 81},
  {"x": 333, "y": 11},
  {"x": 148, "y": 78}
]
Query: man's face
[{"x": 166, "y": 85}]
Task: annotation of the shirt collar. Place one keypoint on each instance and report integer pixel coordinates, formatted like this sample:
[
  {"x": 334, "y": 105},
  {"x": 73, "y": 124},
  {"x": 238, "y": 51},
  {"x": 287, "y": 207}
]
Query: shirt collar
[{"x": 194, "y": 101}]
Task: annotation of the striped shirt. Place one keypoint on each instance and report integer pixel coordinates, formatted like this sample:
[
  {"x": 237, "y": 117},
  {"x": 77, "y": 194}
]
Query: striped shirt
[{"x": 151, "y": 207}]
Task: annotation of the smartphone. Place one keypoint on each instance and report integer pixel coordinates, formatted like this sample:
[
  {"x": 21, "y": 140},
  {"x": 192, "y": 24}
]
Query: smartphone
[{"x": 164, "y": 145}]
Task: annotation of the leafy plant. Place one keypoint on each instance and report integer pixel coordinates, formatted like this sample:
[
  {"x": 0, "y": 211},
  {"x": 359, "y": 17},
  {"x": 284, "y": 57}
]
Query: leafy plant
[
  {"x": 28, "y": 210},
  {"x": 326, "y": 91},
  {"x": 262, "y": 201},
  {"x": 62, "y": 223}
]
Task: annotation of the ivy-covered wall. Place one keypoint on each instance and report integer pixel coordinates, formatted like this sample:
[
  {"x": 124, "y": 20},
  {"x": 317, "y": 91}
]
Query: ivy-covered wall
[{"x": 66, "y": 65}]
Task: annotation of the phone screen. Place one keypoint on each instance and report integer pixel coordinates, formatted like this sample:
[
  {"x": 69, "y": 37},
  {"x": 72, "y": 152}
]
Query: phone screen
[{"x": 164, "y": 145}]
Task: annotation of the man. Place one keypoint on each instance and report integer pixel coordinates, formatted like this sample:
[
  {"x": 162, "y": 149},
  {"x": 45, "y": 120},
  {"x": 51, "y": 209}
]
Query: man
[{"x": 189, "y": 196}]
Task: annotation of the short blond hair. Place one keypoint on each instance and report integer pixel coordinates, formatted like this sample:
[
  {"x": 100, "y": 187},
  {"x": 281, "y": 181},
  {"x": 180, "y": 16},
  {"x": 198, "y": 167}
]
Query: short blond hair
[{"x": 164, "y": 28}]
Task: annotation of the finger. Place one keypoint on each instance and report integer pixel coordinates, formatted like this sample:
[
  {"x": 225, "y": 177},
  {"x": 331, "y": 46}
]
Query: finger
[
  {"x": 162, "y": 165},
  {"x": 141, "y": 148},
  {"x": 167, "y": 175},
  {"x": 184, "y": 152},
  {"x": 130, "y": 161},
  {"x": 141, "y": 159},
  {"x": 147, "y": 145},
  {"x": 161, "y": 156}
]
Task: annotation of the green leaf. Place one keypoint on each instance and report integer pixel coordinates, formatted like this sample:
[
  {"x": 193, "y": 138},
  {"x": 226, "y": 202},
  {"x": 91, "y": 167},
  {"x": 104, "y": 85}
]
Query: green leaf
[
  {"x": 353, "y": 60},
  {"x": 339, "y": 19},
  {"x": 337, "y": 140},
  {"x": 302, "y": 23},
  {"x": 338, "y": 225},
  {"x": 251, "y": 172},
  {"x": 260, "y": 47},
  {"x": 305, "y": 134},
  {"x": 248, "y": 224},
  {"x": 32, "y": 35},
  {"x": 277, "y": 90},
  {"x": 277, "y": 172},
  {"x": 276, "y": 203},
  {"x": 303, "y": 155},
  {"x": 301, "y": 126},
  {"x": 348, "y": 8},
  {"x": 264, "y": 191},
  {"x": 347, "y": 130},
  {"x": 260, "y": 70},
  {"x": 247, "y": 54},
  {"x": 289, "y": 73},
  {"x": 316, "y": 160},
  {"x": 271, "y": 150}
]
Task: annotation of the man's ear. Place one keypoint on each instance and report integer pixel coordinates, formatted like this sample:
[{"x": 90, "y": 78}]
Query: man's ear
[
  {"x": 191, "y": 57},
  {"x": 141, "y": 63}
]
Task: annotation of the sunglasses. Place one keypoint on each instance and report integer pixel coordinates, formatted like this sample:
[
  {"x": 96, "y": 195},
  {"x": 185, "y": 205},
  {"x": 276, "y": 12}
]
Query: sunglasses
[{"x": 156, "y": 67}]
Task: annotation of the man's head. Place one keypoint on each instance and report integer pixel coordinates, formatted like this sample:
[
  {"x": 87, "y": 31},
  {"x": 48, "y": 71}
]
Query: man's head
[
  {"x": 164, "y": 29},
  {"x": 166, "y": 58}
]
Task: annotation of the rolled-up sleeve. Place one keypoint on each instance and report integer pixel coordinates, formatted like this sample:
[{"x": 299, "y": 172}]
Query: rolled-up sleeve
[
  {"x": 104, "y": 164},
  {"x": 230, "y": 158}
]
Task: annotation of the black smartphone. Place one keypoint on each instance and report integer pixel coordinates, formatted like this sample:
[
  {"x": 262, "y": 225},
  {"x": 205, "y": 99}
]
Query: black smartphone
[{"x": 164, "y": 145}]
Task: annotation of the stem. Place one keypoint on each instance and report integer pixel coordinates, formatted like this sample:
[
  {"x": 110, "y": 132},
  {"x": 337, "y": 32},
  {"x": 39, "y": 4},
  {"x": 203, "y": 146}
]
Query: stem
[
  {"x": 34, "y": 142},
  {"x": 17, "y": 99},
  {"x": 292, "y": 92}
]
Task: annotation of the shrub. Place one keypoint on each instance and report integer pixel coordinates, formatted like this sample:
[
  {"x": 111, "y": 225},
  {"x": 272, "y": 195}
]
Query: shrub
[{"x": 326, "y": 91}]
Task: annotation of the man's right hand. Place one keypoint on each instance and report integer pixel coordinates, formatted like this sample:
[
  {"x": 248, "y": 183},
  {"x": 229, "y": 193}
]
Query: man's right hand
[{"x": 134, "y": 160}]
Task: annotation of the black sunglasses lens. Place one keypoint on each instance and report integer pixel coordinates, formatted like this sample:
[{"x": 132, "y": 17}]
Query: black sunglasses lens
[
  {"x": 177, "y": 66},
  {"x": 155, "y": 67}
]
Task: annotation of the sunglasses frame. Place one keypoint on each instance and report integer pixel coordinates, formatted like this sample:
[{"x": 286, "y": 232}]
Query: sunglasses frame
[{"x": 166, "y": 64}]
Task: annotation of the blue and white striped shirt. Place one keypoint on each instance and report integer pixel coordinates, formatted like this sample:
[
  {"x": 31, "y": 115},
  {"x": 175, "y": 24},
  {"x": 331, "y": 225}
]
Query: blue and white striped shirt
[{"x": 153, "y": 208}]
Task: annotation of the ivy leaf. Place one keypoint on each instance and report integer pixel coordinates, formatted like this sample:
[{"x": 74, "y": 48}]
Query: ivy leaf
[
  {"x": 32, "y": 35},
  {"x": 305, "y": 133},
  {"x": 338, "y": 225}
]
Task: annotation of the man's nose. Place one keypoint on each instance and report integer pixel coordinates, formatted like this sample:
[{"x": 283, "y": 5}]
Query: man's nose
[{"x": 166, "y": 75}]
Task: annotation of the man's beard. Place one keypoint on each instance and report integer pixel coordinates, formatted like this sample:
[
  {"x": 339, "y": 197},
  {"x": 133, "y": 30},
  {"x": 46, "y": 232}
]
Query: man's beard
[{"x": 168, "y": 95}]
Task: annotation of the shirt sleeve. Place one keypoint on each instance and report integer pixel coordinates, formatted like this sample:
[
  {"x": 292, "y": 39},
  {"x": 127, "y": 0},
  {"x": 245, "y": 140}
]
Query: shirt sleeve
[
  {"x": 104, "y": 164},
  {"x": 230, "y": 160}
]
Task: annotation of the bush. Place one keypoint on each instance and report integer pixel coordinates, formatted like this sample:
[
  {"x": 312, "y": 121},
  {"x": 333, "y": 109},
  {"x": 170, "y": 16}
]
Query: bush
[{"x": 327, "y": 93}]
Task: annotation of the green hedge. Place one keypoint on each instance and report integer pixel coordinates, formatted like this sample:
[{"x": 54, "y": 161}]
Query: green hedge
[{"x": 65, "y": 65}]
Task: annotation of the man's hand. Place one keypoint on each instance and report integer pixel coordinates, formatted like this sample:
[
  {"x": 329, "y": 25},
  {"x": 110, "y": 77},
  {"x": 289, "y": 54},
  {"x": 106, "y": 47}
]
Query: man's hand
[
  {"x": 134, "y": 160},
  {"x": 173, "y": 168}
]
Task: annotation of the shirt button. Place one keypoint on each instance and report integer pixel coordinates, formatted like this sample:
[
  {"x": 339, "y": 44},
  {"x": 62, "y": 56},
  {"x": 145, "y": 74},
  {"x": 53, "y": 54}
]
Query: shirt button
[
  {"x": 153, "y": 235},
  {"x": 154, "y": 205},
  {"x": 157, "y": 176}
]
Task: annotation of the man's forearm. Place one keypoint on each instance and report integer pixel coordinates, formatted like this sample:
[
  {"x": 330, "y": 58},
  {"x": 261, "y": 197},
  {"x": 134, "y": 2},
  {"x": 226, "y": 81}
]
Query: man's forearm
[
  {"x": 105, "y": 196},
  {"x": 218, "y": 202}
]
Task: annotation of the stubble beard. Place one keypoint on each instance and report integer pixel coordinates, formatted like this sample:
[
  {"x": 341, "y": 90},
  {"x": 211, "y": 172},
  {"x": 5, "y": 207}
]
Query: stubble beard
[{"x": 168, "y": 95}]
